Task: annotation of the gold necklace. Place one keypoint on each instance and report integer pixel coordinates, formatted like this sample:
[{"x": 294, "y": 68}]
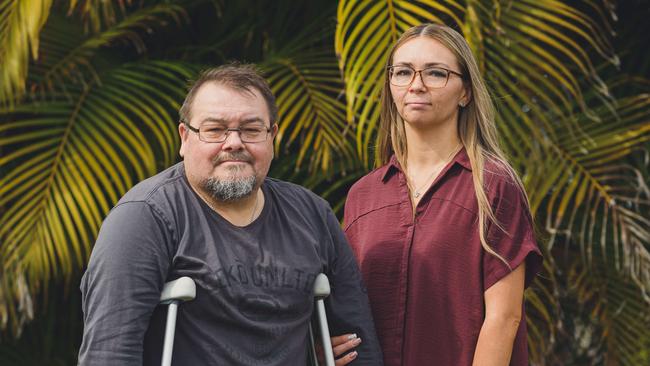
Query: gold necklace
[
  {"x": 257, "y": 198},
  {"x": 416, "y": 192}
]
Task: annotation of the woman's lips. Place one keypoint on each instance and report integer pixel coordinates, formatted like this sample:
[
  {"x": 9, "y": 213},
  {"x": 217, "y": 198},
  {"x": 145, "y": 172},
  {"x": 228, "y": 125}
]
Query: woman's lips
[{"x": 418, "y": 105}]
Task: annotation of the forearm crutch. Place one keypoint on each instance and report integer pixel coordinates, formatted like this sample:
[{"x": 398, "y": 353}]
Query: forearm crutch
[
  {"x": 321, "y": 291},
  {"x": 174, "y": 292}
]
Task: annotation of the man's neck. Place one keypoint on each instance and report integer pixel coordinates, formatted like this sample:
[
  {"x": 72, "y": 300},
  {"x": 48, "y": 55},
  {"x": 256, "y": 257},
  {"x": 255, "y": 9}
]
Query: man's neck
[{"x": 241, "y": 212}]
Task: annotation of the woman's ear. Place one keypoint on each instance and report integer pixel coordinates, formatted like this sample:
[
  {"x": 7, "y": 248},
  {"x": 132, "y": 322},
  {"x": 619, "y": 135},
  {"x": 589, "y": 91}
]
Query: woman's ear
[{"x": 466, "y": 97}]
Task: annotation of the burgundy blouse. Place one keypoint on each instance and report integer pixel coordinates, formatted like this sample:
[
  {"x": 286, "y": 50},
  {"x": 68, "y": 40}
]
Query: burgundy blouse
[{"x": 426, "y": 275}]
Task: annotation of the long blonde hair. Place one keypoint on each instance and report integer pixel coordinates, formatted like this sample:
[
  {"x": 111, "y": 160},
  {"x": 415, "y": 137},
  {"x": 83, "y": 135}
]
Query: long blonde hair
[{"x": 476, "y": 123}]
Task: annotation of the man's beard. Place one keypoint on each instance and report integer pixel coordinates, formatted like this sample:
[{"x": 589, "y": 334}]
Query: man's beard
[{"x": 231, "y": 188}]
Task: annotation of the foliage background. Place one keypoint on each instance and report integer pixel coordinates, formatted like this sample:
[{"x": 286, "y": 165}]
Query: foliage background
[{"x": 89, "y": 91}]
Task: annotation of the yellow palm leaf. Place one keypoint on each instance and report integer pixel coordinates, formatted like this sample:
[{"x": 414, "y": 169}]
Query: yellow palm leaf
[{"x": 20, "y": 24}]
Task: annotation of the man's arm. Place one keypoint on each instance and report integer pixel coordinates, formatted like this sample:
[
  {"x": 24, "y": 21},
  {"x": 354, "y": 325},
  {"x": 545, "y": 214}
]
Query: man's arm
[
  {"x": 348, "y": 309},
  {"x": 122, "y": 285}
]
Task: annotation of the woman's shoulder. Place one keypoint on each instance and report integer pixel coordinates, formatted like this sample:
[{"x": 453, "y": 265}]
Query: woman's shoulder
[
  {"x": 502, "y": 183},
  {"x": 371, "y": 182},
  {"x": 369, "y": 193},
  {"x": 499, "y": 172}
]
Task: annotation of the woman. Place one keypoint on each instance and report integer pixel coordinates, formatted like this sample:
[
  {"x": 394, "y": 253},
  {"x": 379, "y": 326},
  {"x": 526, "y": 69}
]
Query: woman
[{"x": 442, "y": 230}]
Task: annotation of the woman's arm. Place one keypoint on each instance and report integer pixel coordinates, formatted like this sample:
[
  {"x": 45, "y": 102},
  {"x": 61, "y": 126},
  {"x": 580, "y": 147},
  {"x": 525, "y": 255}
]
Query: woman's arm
[{"x": 503, "y": 306}]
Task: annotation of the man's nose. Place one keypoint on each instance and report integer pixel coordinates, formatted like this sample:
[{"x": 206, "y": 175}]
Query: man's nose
[{"x": 233, "y": 141}]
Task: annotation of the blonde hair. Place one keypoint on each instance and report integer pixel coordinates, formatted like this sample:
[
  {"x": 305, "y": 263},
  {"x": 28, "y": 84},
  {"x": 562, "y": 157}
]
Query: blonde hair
[{"x": 476, "y": 124}]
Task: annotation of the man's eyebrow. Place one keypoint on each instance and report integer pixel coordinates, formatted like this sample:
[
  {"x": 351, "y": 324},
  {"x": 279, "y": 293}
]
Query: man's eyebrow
[
  {"x": 214, "y": 119},
  {"x": 224, "y": 121},
  {"x": 252, "y": 120}
]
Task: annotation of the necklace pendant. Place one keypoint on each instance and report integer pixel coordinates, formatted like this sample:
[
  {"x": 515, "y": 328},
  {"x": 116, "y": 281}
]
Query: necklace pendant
[{"x": 416, "y": 195}]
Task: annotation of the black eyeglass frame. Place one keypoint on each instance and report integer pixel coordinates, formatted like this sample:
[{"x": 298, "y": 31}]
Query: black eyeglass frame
[
  {"x": 227, "y": 133},
  {"x": 415, "y": 72}
]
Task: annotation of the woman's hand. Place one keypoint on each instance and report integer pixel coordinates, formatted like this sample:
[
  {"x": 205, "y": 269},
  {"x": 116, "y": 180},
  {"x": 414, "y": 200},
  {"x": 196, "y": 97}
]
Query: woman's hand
[{"x": 340, "y": 345}]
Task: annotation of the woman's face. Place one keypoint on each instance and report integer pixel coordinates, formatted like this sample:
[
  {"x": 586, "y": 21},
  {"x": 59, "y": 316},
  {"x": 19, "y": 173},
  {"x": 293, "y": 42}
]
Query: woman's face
[{"x": 423, "y": 106}]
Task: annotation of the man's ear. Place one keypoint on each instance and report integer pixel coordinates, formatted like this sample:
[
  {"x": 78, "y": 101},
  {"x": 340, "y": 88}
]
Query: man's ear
[
  {"x": 183, "y": 133},
  {"x": 274, "y": 130}
]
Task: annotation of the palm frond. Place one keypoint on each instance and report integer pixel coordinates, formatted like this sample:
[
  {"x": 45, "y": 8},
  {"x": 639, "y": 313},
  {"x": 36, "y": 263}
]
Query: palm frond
[
  {"x": 67, "y": 161},
  {"x": 304, "y": 76},
  {"x": 543, "y": 310},
  {"x": 20, "y": 25},
  {"x": 98, "y": 14},
  {"x": 364, "y": 33},
  {"x": 537, "y": 57},
  {"x": 54, "y": 333},
  {"x": 312, "y": 115},
  {"x": 67, "y": 54},
  {"x": 591, "y": 195},
  {"x": 606, "y": 317}
]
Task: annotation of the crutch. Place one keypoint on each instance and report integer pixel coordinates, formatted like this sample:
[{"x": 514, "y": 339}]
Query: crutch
[
  {"x": 321, "y": 291},
  {"x": 174, "y": 292}
]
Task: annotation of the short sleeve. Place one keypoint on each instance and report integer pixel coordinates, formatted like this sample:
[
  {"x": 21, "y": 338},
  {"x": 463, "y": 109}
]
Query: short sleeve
[{"x": 513, "y": 239}]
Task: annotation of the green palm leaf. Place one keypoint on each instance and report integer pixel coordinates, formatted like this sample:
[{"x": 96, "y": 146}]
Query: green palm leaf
[
  {"x": 98, "y": 14},
  {"x": 591, "y": 196},
  {"x": 304, "y": 76},
  {"x": 311, "y": 113},
  {"x": 69, "y": 53},
  {"x": 20, "y": 24},
  {"x": 67, "y": 161}
]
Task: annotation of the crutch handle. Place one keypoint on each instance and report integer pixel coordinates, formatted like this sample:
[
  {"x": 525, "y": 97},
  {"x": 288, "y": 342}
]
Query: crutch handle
[
  {"x": 321, "y": 291},
  {"x": 174, "y": 292},
  {"x": 182, "y": 289},
  {"x": 321, "y": 286}
]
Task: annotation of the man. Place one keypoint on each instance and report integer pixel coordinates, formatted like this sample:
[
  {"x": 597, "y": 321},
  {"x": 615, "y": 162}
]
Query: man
[{"x": 252, "y": 244}]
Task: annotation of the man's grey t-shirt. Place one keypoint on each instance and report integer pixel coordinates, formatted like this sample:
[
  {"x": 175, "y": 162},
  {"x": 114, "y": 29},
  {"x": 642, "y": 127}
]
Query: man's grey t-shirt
[{"x": 254, "y": 283}]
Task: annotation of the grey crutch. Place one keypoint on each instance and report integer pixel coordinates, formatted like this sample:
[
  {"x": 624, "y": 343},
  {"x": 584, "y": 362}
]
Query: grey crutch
[
  {"x": 184, "y": 289},
  {"x": 174, "y": 292},
  {"x": 321, "y": 291}
]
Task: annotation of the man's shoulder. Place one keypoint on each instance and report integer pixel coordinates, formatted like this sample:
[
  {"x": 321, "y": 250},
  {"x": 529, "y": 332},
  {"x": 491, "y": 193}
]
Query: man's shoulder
[
  {"x": 293, "y": 192},
  {"x": 147, "y": 190}
]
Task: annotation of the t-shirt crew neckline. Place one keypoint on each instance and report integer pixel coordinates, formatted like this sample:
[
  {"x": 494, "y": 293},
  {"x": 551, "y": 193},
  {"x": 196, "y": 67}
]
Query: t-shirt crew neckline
[{"x": 218, "y": 217}]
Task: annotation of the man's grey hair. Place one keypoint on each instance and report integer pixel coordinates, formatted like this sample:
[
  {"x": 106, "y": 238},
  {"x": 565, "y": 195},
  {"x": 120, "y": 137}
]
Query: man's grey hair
[{"x": 241, "y": 77}]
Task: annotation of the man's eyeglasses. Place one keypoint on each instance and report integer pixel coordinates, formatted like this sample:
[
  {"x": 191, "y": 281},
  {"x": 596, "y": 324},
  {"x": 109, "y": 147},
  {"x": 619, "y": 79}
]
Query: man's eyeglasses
[
  {"x": 433, "y": 77},
  {"x": 217, "y": 132}
]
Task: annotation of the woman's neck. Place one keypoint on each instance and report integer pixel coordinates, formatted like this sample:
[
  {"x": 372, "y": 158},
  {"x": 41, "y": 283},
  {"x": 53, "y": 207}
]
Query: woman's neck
[{"x": 430, "y": 146}]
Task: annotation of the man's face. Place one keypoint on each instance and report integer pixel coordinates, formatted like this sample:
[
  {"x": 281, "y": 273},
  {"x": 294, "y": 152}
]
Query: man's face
[{"x": 232, "y": 167}]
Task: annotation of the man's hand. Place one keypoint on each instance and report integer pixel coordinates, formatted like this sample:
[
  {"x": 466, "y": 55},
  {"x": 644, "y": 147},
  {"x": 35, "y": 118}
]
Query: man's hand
[{"x": 340, "y": 345}]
